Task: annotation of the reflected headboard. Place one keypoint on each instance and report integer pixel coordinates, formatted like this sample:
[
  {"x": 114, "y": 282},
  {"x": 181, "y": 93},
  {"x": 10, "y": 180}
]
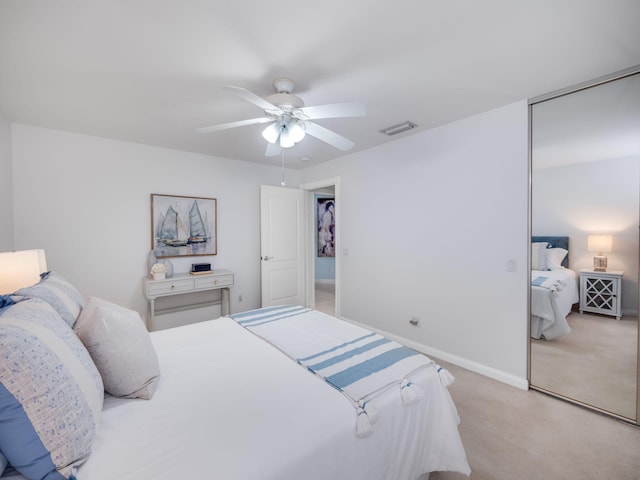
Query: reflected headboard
[{"x": 555, "y": 242}]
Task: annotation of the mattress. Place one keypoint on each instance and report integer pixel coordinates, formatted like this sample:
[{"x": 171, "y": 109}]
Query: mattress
[{"x": 231, "y": 406}]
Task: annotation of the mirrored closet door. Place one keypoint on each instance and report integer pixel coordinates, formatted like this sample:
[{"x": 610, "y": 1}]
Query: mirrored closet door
[{"x": 585, "y": 218}]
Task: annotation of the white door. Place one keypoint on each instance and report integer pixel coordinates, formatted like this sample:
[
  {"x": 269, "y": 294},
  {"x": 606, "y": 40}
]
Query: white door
[{"x": 282, "y": 246}]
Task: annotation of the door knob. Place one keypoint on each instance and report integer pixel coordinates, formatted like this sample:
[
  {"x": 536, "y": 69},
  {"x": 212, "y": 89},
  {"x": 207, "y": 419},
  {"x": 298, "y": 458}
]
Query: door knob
[{"x": 265, "y": 258}]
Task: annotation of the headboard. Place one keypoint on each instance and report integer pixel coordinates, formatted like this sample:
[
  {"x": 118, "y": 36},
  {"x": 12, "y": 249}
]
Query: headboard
[{"x": 555, "y": 242}]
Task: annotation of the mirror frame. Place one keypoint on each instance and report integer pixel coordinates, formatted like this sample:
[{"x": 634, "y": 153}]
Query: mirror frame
[{"x": 531, "y": 102}]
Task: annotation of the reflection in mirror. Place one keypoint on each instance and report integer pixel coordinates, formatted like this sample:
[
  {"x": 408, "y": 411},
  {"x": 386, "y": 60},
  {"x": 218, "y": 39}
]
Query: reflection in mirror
[{"x": 585, "y": 181}]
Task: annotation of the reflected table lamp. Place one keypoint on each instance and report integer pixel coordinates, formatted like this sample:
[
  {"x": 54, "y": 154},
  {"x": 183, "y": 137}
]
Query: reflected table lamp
[
  {"x": 600, "y": 244},
  {"x": 20, "y": 269}
]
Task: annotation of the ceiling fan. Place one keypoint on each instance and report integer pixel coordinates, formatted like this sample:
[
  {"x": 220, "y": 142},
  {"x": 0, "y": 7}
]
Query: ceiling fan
[{"x": 290, "y": 119}]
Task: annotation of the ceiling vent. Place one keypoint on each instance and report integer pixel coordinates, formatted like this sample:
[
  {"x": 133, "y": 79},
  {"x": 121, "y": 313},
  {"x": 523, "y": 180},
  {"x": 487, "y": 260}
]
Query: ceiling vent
[{"x": 401, "y": 127}]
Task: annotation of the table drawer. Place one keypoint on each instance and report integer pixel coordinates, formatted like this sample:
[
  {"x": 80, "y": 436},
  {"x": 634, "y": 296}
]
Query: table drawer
[
  {"x": 215, "y": 281},
  {"x": 169, "y": 286}
]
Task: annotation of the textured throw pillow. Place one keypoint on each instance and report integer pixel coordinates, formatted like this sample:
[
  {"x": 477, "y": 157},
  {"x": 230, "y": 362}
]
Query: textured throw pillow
[
  {"x": 538, "y": 256},
  {"x": 555, "y": 256},
  {"x": 51, "y": 393},
  {"x": 59, "y": 293},
  {"x": 121, "y": 348}
]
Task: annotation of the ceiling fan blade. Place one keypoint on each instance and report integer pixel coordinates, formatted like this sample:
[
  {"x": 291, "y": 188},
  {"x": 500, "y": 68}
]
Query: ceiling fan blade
[
  {"x": 272, "y": 150},
  {"x": 327, "y": 136},
  {"x": 240, "y": 123},
  {"x": 252, "y": 98},
  {"x": 335, "y": 110}
]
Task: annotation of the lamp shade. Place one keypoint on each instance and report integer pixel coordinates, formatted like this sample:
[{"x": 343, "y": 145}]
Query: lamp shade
[
  {"x": 20, "y": 269},
  {"x": 296, "y": 130},
  {"x": 272, "y": 132},
  {"x": 285, "y": 139},
  {"x": 599, "y": 243}
]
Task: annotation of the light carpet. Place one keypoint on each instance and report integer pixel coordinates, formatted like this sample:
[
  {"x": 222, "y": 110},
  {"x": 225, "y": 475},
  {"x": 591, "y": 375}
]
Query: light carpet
[{"x": 596, "y": 363}]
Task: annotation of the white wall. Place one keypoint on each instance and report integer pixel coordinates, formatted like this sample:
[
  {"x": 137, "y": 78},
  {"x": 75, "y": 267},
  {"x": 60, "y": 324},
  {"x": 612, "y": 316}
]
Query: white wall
[
  {"x": 86, "y": 201},
  {"x": 595, "y": 197},
  {"x": 429, "y": 222},
  {"x": 6, "y": 188}
]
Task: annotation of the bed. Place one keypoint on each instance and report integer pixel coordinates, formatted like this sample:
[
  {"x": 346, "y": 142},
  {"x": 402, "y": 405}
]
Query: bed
[
  {"x": 554, "y": 287},
  {"x": 234, "y": 398}
]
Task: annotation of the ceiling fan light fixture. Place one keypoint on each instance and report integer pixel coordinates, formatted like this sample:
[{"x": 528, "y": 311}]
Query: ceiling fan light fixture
[
  {"x": 285, "y": 138},
  {"x": 288, "y": 120},
  {"x": 296, "y": 130},
  {"x": 271, "y": 133}
]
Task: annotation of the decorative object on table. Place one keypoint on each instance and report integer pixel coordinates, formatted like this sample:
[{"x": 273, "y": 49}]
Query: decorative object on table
[
  {"x": 600, "y": 244},
  {"x": 200, "y": 267},
  {"x": 169, "y": 264},
  {"x": 158, "y": 271},
  {"x": 151, "y": 260},
  {"x": 183, "y": 226}
]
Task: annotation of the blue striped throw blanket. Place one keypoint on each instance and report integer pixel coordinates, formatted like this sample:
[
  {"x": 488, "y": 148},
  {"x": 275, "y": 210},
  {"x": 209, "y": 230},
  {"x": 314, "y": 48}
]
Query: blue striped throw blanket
[
  {"x": 546, "y": 282},
  {"x": 357, "y": 362}
]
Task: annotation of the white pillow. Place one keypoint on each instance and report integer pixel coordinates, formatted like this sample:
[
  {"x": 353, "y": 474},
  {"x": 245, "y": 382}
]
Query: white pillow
[
  {"x": 538, "y": 256},
  {"x": 121, "y": 348},
  {"x": 555, "y": 256}
]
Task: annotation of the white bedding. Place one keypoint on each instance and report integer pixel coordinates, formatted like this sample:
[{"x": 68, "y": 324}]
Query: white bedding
[
  {"x": 230, "y": 406},
  {"x": 550, "y": 307}
]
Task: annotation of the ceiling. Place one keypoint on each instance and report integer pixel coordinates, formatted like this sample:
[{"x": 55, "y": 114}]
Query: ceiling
[
  {"x": 152, "y": 71},
  {"x": 599, "y": 123}
]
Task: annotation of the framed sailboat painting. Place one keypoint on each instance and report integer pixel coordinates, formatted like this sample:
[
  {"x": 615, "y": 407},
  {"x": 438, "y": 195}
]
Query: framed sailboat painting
[{"x": 183, "y": 226}]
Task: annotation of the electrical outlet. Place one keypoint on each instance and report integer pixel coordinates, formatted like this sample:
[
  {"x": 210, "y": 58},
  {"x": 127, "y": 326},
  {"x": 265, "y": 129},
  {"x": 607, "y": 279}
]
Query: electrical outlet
[
  {"x": 512, "y": 265},
  {"x": 239, "y": 298}
]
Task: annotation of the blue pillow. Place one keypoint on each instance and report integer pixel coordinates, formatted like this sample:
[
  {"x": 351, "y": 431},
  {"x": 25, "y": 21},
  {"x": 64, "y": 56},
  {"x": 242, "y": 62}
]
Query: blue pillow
[
  {"x": 51, "y": 393},
  {"x": 3, "y": 463},
  {"x": 59, "y": 293},
  {"x": 8, "y": 300}
]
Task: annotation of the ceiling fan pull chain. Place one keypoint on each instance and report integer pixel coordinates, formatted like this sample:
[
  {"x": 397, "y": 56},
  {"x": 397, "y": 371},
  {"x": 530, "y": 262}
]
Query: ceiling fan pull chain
[{"x": 282, "y": 157}]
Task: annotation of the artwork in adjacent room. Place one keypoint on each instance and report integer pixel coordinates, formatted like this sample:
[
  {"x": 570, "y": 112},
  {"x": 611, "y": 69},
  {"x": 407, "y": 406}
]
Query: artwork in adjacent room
[
  {"x": 326, "y": 227},
  {"x": 183, "y": 226}
]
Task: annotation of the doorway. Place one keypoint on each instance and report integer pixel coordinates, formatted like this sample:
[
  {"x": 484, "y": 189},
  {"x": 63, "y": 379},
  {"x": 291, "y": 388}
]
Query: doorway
[{"x": 323, "y": 245}]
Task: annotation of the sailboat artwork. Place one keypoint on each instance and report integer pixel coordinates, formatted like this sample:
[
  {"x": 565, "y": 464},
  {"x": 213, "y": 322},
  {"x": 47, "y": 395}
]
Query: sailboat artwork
[
  {"x": 197, "y": 230},
  {"x": 183, "y": 226}
]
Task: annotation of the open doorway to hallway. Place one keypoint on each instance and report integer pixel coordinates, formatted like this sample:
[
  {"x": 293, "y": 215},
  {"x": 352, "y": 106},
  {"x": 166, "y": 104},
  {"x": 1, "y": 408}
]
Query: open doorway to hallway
[
  {"x": 323, "y": 274},
  {"x": 324, "y": 206},
  {"x": 326, "y": 298}
]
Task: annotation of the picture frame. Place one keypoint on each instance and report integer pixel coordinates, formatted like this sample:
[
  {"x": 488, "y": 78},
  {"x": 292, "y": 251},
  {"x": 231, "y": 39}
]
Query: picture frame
[
  {"x": 183, "y": 226},
  {"x": 325, "y": 214}
]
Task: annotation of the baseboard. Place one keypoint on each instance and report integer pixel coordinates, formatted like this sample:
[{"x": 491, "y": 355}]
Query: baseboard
[{"x": 499, "y": 375}]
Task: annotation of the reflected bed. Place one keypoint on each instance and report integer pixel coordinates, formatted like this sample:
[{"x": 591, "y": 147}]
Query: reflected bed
[{"x": 554, "y": 287}]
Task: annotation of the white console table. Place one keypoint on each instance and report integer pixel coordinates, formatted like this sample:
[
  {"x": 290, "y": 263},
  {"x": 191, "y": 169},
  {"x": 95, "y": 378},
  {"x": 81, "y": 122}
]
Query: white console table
[{"x": 181, "y": 284}]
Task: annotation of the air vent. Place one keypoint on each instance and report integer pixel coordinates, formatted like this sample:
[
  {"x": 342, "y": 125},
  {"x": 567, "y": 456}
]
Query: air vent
[{"x": 401, "y": 127}]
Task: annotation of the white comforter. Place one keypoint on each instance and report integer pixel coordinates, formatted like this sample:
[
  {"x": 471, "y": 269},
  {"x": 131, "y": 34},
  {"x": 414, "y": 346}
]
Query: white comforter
[
  {"x": 230, "y": 406},
  {"x": 550, "y": 306}
]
